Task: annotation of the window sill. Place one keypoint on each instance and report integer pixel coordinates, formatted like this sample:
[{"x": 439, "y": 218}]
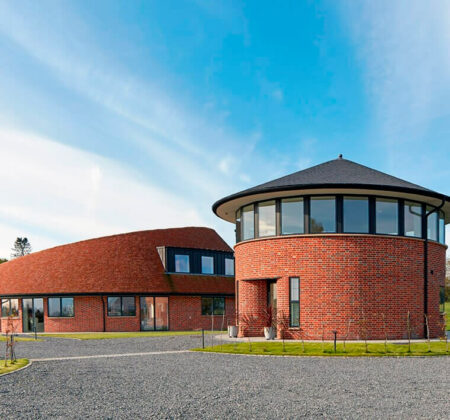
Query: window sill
[
  {"x": 61, "y": 317},
  {"x": 13, "y": 317},
  {"x": 121, "y": 316}
]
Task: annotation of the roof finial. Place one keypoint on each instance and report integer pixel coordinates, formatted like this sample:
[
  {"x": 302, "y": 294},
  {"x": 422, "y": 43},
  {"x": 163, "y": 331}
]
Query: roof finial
[{"x": 340, "y": 156}]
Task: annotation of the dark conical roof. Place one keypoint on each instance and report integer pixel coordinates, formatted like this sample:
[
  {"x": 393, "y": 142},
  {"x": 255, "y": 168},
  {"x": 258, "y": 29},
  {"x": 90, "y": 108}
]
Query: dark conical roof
[
  {"x": 338, "y": 171},
  {"x": 335, "y": 174}
]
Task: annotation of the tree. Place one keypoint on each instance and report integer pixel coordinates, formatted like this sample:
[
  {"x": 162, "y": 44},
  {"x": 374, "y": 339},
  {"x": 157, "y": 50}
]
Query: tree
[
  {"x": 2, "y": 260},
  {"x": 21, "y": 247}
]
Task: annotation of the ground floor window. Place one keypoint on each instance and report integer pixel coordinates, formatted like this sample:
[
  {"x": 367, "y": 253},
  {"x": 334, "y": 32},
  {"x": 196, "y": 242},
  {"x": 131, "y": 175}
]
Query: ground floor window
[
  {"x": 10, "y": 307},
  {"x": 121, "y": 306},
  {"x": 213, "y": 306},
  {"x": 294, "y": 301},
  {"x": 154, "y": 313},
  {"x": 442, "y": 299},
  {"x": 60, "y": 307}
]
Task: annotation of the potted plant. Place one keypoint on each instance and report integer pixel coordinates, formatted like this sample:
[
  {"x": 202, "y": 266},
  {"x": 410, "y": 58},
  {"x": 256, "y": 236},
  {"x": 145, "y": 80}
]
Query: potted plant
[{"x": 269, "y": 329}]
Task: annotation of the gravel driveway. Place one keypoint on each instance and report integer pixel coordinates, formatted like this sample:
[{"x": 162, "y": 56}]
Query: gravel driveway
[{"x": 197, "y": 385}]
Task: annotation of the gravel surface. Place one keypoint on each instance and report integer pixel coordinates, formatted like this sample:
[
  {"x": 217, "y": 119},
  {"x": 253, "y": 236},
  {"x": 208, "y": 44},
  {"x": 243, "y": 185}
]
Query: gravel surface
[{"x": 198, "y": 385}]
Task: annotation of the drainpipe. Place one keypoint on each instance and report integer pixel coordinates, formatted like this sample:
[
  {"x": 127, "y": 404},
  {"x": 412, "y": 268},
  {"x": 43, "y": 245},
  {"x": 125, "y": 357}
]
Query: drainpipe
[
  {"x": 103, "y": 307},
  {"x": 425, "y": 264}
]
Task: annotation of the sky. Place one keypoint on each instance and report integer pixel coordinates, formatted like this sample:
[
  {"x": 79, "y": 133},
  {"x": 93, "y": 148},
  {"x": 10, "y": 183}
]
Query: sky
[{"x": 118, "y": 116}]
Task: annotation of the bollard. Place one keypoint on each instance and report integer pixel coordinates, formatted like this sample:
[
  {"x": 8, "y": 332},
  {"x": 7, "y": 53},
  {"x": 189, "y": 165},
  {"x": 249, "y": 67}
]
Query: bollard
[
  {"x": 335, "y": 335},
  {"x": 203, "y": 338}
]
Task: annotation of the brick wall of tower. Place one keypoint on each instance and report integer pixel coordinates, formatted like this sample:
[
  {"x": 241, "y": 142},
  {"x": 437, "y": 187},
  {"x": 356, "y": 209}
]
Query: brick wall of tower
[{"x": 359, "y": 285}]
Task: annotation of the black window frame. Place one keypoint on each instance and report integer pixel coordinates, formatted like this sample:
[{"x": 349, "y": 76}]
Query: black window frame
[
  {"x": 341, "y": 217},
  {"x": 175, "y": 263},
  {"x": 9, "y": 308},
  {"x": 213, "y": 264},
  {"x": 442, "y": 299},
  {"x": 225, "y": 267},
  {"x": 121, "y": 306},
  {"x": 294, "y": 302},
  {"x": 212, "y": 305},
  {"x": 60, "y": 307}
]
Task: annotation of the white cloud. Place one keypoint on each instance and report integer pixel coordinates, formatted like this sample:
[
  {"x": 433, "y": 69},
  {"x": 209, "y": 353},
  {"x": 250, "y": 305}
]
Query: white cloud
[{"x": 72, "y": 194}]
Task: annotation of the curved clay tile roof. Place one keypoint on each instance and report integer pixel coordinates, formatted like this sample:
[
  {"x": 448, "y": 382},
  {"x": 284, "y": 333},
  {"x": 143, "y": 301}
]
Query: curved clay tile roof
[{"x": 125, "y": 263}]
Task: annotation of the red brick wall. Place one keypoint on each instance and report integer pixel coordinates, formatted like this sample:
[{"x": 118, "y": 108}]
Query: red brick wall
[
  {"x": 184, "y": 314},
  {"x": 342, "y": 278}
]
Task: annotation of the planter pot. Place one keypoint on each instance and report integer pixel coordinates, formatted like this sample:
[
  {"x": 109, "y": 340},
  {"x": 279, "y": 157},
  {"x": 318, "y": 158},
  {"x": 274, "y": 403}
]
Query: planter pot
[
  {"x": 269, "y": 333},
  {"x": 232, "y": 331}
]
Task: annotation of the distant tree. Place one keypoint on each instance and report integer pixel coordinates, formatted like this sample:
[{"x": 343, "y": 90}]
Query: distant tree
[
  {"x": 2, "y": 260},
  {"x": 21, "y": 247}
]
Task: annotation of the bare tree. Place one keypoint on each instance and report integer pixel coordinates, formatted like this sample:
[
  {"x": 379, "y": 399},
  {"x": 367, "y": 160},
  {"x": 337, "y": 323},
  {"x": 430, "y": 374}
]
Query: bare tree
[
  {"x": 408, "y": 327},
  {"x": 246, "y": 321},
  {"x": 283, "y": 324},
  {"x": 347, "y": 333},
  {"x": 20, "y": 248},
  {"x": 428, "y": 332},
  {"x": 383, "y": 316}
]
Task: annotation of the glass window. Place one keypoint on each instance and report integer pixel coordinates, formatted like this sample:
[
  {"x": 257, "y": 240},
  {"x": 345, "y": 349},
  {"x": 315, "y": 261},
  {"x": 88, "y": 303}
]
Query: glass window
[
  {"x": 323, "y": 214},
  {"x": 67, "y": 307},
  {"x": 413, "y": 219},
  {"x": 356, "y": 214},
  {"x": 266, "y": 218},
  {"x": 207, "y": 265},
  {"x": 128, "y": 306},
  {"x": 213, "y": 306},
  {"x": 432, "y": 227},
  {"x": 442, "y": 299},
  {"x": 442, "y": 227},
  {"x": 60, "y": 307},
  {"x": 10, "y": 307},
  {"x": 292, "y": 216},
  {"x": 238, "y": 226},
  {"x": 182, "y": 263},
  {"x": 114, "y": 306},
  {"x": 294, "y": 304},
  {"x": 229, "y": 266},
  {"x": 248, "y": 222},
  {"x": 161, "y": 313},
  {"x": 218, "y": 306},
  {"x": 387, "y": 216}
]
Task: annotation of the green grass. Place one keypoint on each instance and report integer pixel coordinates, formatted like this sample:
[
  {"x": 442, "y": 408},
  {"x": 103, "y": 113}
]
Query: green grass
[
  {"x": 3, "y": 338},
  {"x": 315, "y": 349},
  {"x": 19, "y": 363},
  {"x": 447, "y": 311},
  {"x": 138, "y": 334}
]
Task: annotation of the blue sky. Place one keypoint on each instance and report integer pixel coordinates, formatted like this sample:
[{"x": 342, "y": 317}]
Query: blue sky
[{"x": 127, "y": 115}]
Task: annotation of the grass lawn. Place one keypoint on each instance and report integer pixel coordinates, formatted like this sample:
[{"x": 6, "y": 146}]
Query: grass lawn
[
  {"x": 315, "y": 349},
  {"x": 3, "y": 338},
  {"x": 138, "y": 334},
  {"x": 12, "y": 366},
  {"x": 447, "y": 311}
]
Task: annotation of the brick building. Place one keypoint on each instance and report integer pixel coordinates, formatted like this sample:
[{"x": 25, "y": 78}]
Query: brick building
[
  {"x": 339, "y": 247},
  {"x": 168, "y": 279}
]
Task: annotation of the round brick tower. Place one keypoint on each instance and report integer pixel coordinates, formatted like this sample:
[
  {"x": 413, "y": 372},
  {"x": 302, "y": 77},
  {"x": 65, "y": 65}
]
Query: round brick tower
[{"x": 339, "y": 247}]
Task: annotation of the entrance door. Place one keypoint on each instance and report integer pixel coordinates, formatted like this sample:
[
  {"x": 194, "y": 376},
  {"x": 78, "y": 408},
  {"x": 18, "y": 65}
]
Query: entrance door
[
  {"x": 33, "y": 314},
  {"x": 272, "y": 296},
  {"x": 154, "y": 313}
]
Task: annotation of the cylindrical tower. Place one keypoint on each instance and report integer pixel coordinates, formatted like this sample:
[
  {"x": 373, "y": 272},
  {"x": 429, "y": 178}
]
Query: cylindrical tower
[{"x": 339, "y": 247}]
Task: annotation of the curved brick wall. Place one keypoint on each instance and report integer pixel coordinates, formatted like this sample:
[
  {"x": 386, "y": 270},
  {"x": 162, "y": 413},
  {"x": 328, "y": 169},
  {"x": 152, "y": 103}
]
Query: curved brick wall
[
  {"x": 126, "y": 263},
  {"x": 342, "y": 278}
]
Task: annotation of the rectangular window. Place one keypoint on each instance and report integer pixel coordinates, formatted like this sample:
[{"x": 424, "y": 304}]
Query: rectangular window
[
  {"x": 442, "y": 299},
  {"x": 207, "y": 265},
  {"x": 386, "y": 210},
  {"x": 121, "y": 306},
  {"x": 10, "y": 307},
  {"x": 442, "y": 227},
  {"x": 356, "y": 215},
  {"x": 229, "y": 266},
  {"x": 292, "y": 216},
  {"x": 238, "y": 226},
  {"x": 413, "y": 219},
  {"x": 60, "y": 307},
  {"x": 266, "y": 218},
  {"x": 432, "y": 226},
  {"x": 323, "y": 214},
  {"x": 294, "y": 301},
  {"x": 182, "y": 264},
  {"x": 213, "y": 306},
  {"x": 248, "y": 222}
]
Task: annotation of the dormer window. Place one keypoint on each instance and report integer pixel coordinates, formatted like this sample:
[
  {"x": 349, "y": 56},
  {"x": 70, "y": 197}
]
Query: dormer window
[
  {"x": 207, "y": 265},
  {"x": 182, "y": 263}
]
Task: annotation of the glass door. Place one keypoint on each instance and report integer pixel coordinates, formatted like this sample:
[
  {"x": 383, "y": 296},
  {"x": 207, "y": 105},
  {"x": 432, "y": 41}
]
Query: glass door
[
  {"x": 154, "y": 313},
  {"x": 33, "y": 314}
]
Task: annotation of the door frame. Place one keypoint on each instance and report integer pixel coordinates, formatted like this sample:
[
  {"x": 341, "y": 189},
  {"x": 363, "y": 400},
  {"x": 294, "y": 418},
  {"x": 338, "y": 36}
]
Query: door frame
[{"x": 33, "y": 311}]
